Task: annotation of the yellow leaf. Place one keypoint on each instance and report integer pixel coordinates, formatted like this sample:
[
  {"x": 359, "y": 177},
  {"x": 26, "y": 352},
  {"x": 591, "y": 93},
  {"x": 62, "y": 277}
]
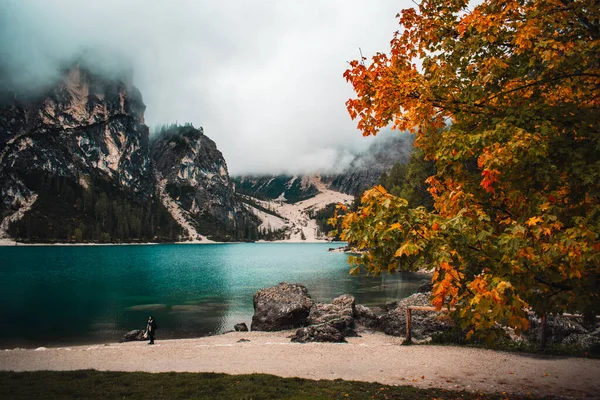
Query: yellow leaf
[{"x": 533, "y": 221}]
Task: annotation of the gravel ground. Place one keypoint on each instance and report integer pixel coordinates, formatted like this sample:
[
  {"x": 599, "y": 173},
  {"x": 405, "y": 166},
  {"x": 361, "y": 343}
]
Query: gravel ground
[{"x": 372, "y": 357}]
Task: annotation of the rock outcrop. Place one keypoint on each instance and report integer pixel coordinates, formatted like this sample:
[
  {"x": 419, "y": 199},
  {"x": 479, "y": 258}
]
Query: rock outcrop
[
  {"x": 193, "y": 174},
  {"x": 76, "y": 165},
  {"x": 424, "y": 323},
  {"x": 366, "y": 168},
  {"x": 366, "y": 317},
  {"x": 285, "y": 306},
  {"x": 288, "y": 306},
  {"x": 290, "y": 189},
  {"x": 85, "y": 133},
  {"x": 561, "y": 330},
  {"x": 339, "y": 314},
  {"x": 341, "y": 307},
  {"x": 85, "y": 125},
  {"x": 318, "y": 333}
]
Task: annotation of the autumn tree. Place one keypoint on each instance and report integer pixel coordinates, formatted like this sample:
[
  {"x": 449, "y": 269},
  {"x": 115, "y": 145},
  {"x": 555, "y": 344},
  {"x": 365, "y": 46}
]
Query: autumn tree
[
  {"x": 408, "y": 180},
  {"x": 504, "y": 97}
]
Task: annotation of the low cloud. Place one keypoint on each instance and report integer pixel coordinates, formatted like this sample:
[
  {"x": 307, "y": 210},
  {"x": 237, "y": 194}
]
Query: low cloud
[{"x": 264, "y": 79}]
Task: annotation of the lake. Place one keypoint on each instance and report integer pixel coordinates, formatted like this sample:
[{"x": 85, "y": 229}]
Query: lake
[{"x": 64, "y": 295}]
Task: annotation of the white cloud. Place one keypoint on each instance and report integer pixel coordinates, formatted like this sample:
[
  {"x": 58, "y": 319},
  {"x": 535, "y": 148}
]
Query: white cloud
[{"x": 263, "y": 78}]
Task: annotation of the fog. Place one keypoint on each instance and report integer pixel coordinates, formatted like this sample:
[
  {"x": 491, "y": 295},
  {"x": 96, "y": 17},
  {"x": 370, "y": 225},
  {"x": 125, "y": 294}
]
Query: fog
[{"x": 264, "y": 78}]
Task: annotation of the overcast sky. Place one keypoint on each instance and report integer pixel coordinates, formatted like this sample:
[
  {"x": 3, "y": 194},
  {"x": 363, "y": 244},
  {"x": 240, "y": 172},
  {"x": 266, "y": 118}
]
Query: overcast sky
[{"x": 264, "y": 78}]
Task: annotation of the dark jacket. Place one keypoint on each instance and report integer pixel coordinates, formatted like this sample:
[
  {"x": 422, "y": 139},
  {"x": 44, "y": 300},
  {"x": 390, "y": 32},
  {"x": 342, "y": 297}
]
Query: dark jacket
[{"x": 151, "y": 327}]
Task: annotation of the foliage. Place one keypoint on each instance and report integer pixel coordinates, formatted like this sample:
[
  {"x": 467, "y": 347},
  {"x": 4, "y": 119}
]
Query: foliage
[
  {"x": 322, "y": 218},
  {"x": 90, "y": 384},
  {"x": 177, "y": 134},
  {"x": 66, "y": 212},
  {"x": 504, "y": 98},
  {"x": 408, "y": 180}
]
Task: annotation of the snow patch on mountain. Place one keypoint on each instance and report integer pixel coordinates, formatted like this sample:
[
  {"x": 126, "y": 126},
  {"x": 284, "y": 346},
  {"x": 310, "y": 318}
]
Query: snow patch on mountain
[{"x": 295, "y": 218}]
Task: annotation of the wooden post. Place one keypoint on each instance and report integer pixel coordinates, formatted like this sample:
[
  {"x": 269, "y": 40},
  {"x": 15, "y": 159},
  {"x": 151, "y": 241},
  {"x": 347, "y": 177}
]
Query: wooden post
[
  {"x": 408, "y": 326},
  {"x": 543, "y": 332}
]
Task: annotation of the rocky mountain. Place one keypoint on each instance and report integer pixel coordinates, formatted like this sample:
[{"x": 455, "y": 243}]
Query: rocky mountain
[
  {"x": 289, "y": 189},
  {"x": 192, "y": 176},
  {"x": 85, "y": 125},
  {"x": 366, "y": 167},
  {"x": 76, "y": 165},
  {"x": 362, "y": 173},
  {"x": 298, "y": 221},
  {"x": 297, "y": 208}
]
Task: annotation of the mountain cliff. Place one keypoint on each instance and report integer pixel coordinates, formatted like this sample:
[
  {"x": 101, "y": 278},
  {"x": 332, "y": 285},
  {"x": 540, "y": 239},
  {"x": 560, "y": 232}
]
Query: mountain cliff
[
  {"x": 362, "y": 173},
  {"x": 76, "y": 165},
  {"x": 289, "y": 189},
  {"x": 366, "y": 167},
  {"x": 193, "y": 174},
  {"x": 298, "y": 207}
]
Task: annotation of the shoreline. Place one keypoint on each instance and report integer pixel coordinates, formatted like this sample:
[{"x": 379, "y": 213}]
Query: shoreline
[
  {"x": 373, "y": 357},
  {"x": 14, "y": 243}
]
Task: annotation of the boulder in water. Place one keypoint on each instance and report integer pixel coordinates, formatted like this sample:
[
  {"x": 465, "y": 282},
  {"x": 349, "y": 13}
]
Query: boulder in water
[
  {"x": 285, "y": 306},
  {"x": 241, "y": 327}
]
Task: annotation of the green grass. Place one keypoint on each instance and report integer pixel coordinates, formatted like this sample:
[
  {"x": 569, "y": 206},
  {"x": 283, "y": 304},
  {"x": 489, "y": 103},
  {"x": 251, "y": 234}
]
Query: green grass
[{"x": 90, "y": 384}]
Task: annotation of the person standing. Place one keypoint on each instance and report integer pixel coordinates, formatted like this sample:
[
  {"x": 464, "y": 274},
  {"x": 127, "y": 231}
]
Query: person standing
[{"x": 151, "y": 329}]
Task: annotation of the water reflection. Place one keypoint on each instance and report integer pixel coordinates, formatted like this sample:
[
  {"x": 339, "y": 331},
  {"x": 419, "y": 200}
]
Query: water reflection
[{"x": 68, "y": 295}]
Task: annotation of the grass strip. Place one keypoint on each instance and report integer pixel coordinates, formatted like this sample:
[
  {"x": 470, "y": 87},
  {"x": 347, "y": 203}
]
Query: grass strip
[{"x": 91, "y": 384}]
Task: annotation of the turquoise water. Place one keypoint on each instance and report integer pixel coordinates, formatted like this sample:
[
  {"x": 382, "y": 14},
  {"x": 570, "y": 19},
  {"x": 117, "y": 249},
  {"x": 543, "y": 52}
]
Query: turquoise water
[{"x": 60, "y": 295}]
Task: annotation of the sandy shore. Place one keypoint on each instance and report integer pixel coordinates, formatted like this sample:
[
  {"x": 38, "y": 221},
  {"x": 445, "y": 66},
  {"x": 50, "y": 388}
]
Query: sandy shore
[{"x": 373, "y": 357}]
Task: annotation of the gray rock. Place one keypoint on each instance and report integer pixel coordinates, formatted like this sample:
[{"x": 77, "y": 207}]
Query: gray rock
[
  {"x": 425, "y": 287},
  {"x": 285, "y": 306},
  {"x": 390, "y": 306},
  {"x": 366, "y": 317},
  {"x": 318, "y": 333},
  {"x": 89, "y": 130},
  {"x": 584, "y": 341},
  {"x": 242, "y": 327},
  {"x": 286, "y": 187},
  {"x": 345, "y": 325},
  {"x": 424, "y": 323},
  {"x": 86, "y": 126},
  {"x": 339, "y": 314},
  {"x": 341, "y": 307},
  {"x": 134, "y": 335},
  {"x": 559, "y": 330}
]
